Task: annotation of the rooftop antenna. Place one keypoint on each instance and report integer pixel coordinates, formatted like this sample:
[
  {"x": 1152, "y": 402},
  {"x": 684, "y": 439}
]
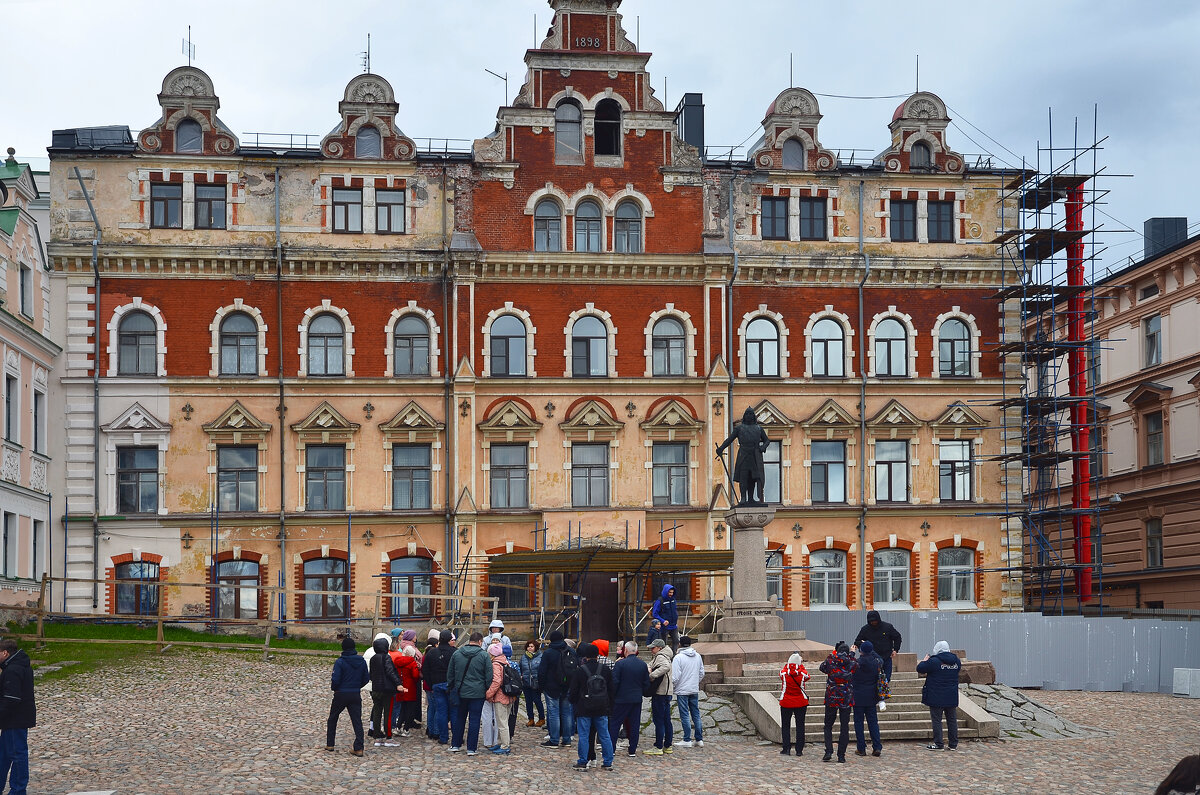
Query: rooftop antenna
[
  {"x": 535, "y": 34},
  {"x": 918, "y": 72},
  {"x": 189, "y": 49},
  {"x": 503, "y": 77},
  {"x": 639, "y": 33},
  {"x": 791, "y": 70},
  {"x": 665, "y": 102},
  {"x": 366, "y": 55}
]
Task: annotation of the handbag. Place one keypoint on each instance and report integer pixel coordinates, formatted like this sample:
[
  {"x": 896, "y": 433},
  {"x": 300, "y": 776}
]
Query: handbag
[{"x": 651, "y": 689}]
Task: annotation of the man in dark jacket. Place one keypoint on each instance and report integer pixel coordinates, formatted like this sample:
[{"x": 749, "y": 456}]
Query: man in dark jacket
[
  {"x": 350, "y": 676},
  {"x": 385, "y": 683},
  {"x": 18, "y": 715},
  {"x": 666, "y": 610},
  {"x": 883, "y": 637},
  {"x": 433, "y": 671},
  {"x": 591, "y": 696},
  {"x": 560, "y": 719},
  {"x": 630, "y": 678},
  {"x": 865, "y": 683},
  {"x": 940, "y": 692},
  {"x": 469, "y": 676}
]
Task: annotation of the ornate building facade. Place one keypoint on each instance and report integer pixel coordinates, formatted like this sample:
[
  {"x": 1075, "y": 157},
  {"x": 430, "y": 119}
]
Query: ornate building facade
[{"x": 372, "y": 361}]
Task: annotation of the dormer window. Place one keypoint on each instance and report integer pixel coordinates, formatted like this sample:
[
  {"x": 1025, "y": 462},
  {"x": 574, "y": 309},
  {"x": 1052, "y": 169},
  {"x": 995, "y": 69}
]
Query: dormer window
[
  {"x": 608, "y": 128},
  {"x": 794, "y": 156},
  {"x": 367, "y": 143},
  {"x": 568, "y": 134},
  {"x": 189, "y": 138},
  {"x": 920, "y": 156}
]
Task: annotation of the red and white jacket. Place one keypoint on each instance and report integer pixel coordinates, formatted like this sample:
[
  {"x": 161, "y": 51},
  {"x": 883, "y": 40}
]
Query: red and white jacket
[{"x": 794, "y": 679}]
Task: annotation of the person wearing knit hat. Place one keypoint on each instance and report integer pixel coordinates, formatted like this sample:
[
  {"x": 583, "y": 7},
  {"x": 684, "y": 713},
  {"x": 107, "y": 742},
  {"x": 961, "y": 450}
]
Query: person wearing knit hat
[
  {"x": 866, "y": 682},
  {"x": 437, "y": 661},
  {"x": 591, "y": 698},
  {"x": 350, "y": 676},
  {"x": 940, "y": 692}
]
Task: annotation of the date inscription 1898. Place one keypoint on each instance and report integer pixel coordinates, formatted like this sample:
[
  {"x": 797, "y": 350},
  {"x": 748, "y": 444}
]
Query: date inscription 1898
[{"x": 588, "y": 41}]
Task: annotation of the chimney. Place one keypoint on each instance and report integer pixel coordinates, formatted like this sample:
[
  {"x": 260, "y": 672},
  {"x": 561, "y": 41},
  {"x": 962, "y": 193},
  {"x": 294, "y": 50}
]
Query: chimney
[
  {"x": 689, "y": 119},
  {"x": 1163, "y": 233}
]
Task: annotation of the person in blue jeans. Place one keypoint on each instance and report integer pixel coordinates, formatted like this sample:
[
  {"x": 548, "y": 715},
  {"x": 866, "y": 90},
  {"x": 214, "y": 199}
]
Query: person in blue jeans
[
  {"x": 591, "y": 695},
  {"x": 433, "y": 671},
  {"x": 560, "y": 718},
  {"x": 469, "y": 675},
  {"x": 18, "y": 714},
  {"x": 660, "y": 702},
  {"x": 687, "y": 671},
  {"x": 666, "y": 611},
  {"x": 865, "y": 684}
]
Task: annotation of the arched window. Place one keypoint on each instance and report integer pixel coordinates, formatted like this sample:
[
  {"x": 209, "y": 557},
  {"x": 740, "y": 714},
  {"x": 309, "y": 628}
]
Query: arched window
[
  {"x": 669, "y": 347},
  {"x": 568, "y": 134},
  {"x": 589, "y": 348},
  {"x": 956, "y": 575},
  {"x": 775, "y": 576},
  {"x": 411, "y": 577},
  {"x": 236, "y": 595},
  {"x": 325, "y": 574},
  {"x": 608, "y": 127},
  {"x": 628, "y": 228},
  {"x": 762, "y": 348},
  {"x": 954, "y": 349},
  {"x": 508, "y": 346},
  {"x": 920, "y": 156},
  {"x": 794, "y": 156},
  {"x": 828, "y": 346},
  {"x": 827, "y": 577},
  {"x": 138, "y": 598},
  {"x": 326, "y": 346},
  {"x": 588, "y": 224},
  {"x": 367, "y": 143},
  {"x": 411, "y": 346},
  {"x": 891, "y": 348},
  {"x": 891, "y": 576},
  {"x": 137, "y": 340},
  {"x": 189, "y": 137},
  {"x": 239, "y": 345},
  {"x": 547, "y": 226}
]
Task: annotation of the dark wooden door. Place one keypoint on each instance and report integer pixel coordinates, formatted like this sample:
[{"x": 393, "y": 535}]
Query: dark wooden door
[{"x": 598, "y": 613}]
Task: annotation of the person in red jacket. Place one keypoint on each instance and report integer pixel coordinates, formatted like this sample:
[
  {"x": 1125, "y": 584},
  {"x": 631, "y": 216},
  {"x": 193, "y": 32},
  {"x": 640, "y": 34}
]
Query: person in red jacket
[
  {"x": 793, "y": 702},
  {"x": 410, "y": 674}
]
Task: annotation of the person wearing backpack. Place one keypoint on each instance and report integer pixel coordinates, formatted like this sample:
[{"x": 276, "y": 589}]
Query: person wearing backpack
[
  {"x": 468, "y": 677},
  {"x": 660, "y": 692},
  {"x": 555, "y": 671},
  {"x": 591, "y": 696},
  {"x": 630, "y": 677},
  {"x": 500, "y": 695},
  {"x": 666, "y": 610}
]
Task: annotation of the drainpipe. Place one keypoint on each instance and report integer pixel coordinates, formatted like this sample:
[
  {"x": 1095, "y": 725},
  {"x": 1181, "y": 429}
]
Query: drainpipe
[
  {"x": 95, "y": 402},
  {"x": 282, "y": 411},
  {"x": 729, "y": 354},
  {"x": 862, "y": 412},
  {"x": 448, "y": 384}
]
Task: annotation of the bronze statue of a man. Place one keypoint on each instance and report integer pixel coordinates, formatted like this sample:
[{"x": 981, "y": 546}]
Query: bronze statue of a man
[{"x": 749, "y": 470}]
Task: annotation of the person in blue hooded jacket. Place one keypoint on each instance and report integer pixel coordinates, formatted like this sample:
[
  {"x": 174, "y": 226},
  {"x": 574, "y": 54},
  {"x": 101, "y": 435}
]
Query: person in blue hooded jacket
[
  {"x": 666, "y": 610},
  {"x": 940, "y": 692},
  {"x": 865, "y": 684}
]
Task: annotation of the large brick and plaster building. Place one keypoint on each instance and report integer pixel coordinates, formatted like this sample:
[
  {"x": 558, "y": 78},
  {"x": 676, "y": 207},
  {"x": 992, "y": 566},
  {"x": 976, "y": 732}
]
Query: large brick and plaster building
[{"x": 450, "y": 357}]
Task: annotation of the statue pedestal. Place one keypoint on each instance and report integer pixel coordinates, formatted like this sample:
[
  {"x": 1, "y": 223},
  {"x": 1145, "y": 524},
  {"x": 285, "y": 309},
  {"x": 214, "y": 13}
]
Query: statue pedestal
[{"x": 751, "y": 610}]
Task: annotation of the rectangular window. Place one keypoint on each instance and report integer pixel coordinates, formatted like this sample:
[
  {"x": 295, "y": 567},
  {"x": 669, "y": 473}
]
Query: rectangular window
[
  {"x": 891, "y": 471},
  {"x": 510, "y": 476},
  {"x": 1154, "y": 438},
  {"x": 389, "y": 212},
  {"x": 10, "y": 542},
  {"x": 775, "y": 218},
  {"x": 39, "y": 422},
  {"x": 1154, "y": 544},
  {"x": 1152, "y": 335},
  {"x": 411, "y": 476},
  {"x": 828, "y": 471},
  {"x": 210, "y": 206},
  {"x": 954, "y": 471},
  {"x": 11, "y": 423},
  {"x": 1149, "y": 291},
  {"x": 347, "y": 210},
  {"x": 137, "y": 479},
  {"x": 166, "y": 205},
  {"x": 237, "y": 478},
  {"x": 670, "y": 473},
  {"x": 941, "y": 222},
  {"x": 325, "y": 477},
  {"x": 812, "y": 219},
  {"x": 39, "y": 543},
  {"x": 589, "y": 475},
  {"x": 27, "y": 291},
  {"x": 773, "y": 472},
  {"x": 904, "y": 222},
  {"x": 512, "y": 590},
  {"x": 1093, "y": 363}
]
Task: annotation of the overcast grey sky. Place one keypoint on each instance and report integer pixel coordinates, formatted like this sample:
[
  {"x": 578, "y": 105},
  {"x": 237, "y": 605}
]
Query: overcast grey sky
[{"x": 282, "y": 67}]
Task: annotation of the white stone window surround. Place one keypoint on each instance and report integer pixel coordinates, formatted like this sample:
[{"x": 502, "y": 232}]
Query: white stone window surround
[
  {"x": 608, "y": 208},
  {"x": 689, "y": 333},
  {"x": 160, "y": 439},
  {"x": 910, "y": 342},
  {"x": 531, "y": 467},
  {"x": 777, "y": 319},
  {"x": 922, "y": 200},
  {"x": 975, "y": 337},
  {"x": 259, "y": 444},
  {"x": 301, "y": 468},
  {"x": 693, "y": 465},
  {"x": 434, "y": 331},
  {"x": 327, "y": 308},
  {"x": 976, "y": 548},
  {"x": 215, "y": 330},
  {"x": 976, "y": 451},
  {"x": 797, "y": 193},
  {"x": 140, "y": 192},
  {"x": 435, "y": 470},
  {"x": 530, "y": 334},
  {"x": 558, "y": 196},
  {"x": 12, "y": 369},
  {"x": 588, "y": 118},
  {"x": 325, "y": 181},
  {"x": 913, "y": 567},
  {"x": 827, "y": 543},
  {"x": 842, "y": 320},
  {"x": 589, "y": 309},
  {"x": 914, "y": 461},
  {"x": 160, "y": 324}
]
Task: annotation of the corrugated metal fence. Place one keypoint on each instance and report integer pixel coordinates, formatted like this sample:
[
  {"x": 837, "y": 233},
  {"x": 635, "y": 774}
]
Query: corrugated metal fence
[{"x": 1032, "y": 650}]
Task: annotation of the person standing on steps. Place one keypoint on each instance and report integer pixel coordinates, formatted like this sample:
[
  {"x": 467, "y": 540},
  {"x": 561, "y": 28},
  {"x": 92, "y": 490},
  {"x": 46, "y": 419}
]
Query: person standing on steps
[
  {"x": 839, "y": 668},
  {"x": 631, "y": 677},
  {"x": 18, "y": 714},
  {"x": 660, "y": 700},
  {"x": 793, "y": 702},
  {"x": 666, "y": 610},
  {"x": 884, "y": 638},
  {"x": 687, "y": 671},
  {"x": 349, "y": 677},
  {"x": 867, "y": 679},
  {"x": 940, "y": 692}
]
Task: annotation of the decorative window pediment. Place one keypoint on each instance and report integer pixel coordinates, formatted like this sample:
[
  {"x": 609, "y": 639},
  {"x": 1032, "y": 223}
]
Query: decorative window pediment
[
  {"x": 895, "y": 420},
  {"x": 672, "y": 419},
  {"x": 237, "y": 423},
  {"x": 832, "y": 416},
  {"x": 411, "y": 424},
  {"x": 771, "y": 418},
  {"x": 591, "y": 421},
  {"x": 1148, "y": 392},
  {"x": 325, "y": 424},
  {"x": 136, "y": 419},
  {"x": 509, "y": 421},
  {"x": 958, "y": 417}
]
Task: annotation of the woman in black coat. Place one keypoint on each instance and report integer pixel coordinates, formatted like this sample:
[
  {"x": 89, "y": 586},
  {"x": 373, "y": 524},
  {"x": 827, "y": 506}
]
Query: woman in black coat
[
  {"x": 940, "y": 692},
  {"x": 866, "y": 695}
]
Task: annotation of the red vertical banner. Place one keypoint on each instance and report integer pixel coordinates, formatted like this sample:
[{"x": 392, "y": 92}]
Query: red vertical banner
[{"x": 1081, "y": 493}]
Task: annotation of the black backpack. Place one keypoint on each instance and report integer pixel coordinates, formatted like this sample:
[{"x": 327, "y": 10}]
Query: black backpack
[
  {"x": 568, "y": 664},
  {"x": 510, "y": 684},
  {"x": 595, "y": 692}
]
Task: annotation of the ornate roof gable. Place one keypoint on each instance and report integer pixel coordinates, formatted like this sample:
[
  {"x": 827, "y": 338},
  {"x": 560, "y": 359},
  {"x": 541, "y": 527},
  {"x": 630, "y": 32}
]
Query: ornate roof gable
[
  {"x": 794, "y": 114},
  {"x": 831, "y": 414},
  {"x": 672, "y": 418},
  {"x": 959, "y": 416},
  {"x": 770, "y": 416},
  {"x": 591, "y": 420},
  {"x": 188, "y": 93},
  {"x": 510, "y": 421},
  {"x": 921, "y": 118},
  {"x": 895, "y": 415},
  {"x": 411, "y": 423},
  {"x": 369, "y": 101}
]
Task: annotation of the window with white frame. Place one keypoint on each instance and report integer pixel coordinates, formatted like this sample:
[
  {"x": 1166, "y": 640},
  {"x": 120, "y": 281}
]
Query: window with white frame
[
  {"x": 828, "y": 349},
  {"x": 210, "y": 206},
  {"x": 326, "y": 574},
  {"x": 568, "y": 134},
  {"x": 670, "y": 473},
  {"x": 828, "y": 468},
  {"x": 326, "y": 346},
  {"x": 773, "y": 472},
  {"x": 827, "y": 577},
  {"x": 589, "y": 227},
  {"x": 507, "y": 335},
  {"x": 891, "y": 576},
  {"x": 389, "y": 211},
  {"x": 325, "y": 477},
  {"x": 239, "y": 344},
  {"x": 589, "y": 475},
  {"x": 669, "y": 347},
  {"x": 412, "y": 473},
  {"x": 891, "y": 349},
  {"x": 137, "y": 479},
  {"x": 956, "y": 575},
  {"x": 627, "y": 228},
  {"x": 509, "y": 470},
  {"x": 954, "y": 349},
  {"x": 237, "y": 477},
  {"x": 1152, "y": 340},
  {"x": 891, "y": 471},
  {"x": 762, "y": 349},
  {"x": 547, "y": 226},
  {"x": 589, "y": 348},
  {"x": 347, "y": 210},
  {"x": 411, "y": 577},
  {"x": 237, "y": 591},
  {"x": 410, "y": 343},
  {"x": 954, "y": 470},
  {"x": 137, "y": 345}
]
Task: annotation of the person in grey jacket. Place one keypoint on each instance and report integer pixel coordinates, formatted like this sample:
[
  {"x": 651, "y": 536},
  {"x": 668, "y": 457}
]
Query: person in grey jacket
[
  {"x": 660, "y": 702},
  {"x": 687, "y": 671}
]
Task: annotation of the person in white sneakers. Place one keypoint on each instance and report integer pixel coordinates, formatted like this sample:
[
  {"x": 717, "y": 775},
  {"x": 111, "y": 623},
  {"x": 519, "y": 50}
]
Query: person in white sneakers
[{"x": 687, "y": 670}]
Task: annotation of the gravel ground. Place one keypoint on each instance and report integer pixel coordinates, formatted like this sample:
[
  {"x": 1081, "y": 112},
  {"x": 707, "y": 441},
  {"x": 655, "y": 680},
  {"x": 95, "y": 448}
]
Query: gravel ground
[{"x": 208, "y": 722}]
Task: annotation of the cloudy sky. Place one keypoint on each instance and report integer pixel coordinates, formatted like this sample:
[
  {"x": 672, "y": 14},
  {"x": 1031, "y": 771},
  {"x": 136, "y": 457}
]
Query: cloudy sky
[{"x": 281, "y": 66}]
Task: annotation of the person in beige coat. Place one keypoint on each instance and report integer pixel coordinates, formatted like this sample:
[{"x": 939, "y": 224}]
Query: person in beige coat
[
  {"x": 660, "y": 702},
  {"x": 500, "y": 702}
]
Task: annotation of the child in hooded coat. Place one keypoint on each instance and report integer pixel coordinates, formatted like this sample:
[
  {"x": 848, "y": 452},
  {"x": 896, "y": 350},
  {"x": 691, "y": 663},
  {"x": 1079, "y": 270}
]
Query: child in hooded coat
[{"x": 410, "y": 677}]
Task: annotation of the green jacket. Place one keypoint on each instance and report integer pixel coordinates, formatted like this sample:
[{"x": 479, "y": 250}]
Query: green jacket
[{"x": 470, "y": 672}]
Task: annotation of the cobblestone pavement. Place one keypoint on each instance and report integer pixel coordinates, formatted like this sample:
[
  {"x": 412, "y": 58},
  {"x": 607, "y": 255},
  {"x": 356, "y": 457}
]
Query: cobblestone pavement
[{"x": 203, "y": 722}]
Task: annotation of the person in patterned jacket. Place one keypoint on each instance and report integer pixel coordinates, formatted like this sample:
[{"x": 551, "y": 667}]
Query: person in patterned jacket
[{"x": 839, "y": 669}]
